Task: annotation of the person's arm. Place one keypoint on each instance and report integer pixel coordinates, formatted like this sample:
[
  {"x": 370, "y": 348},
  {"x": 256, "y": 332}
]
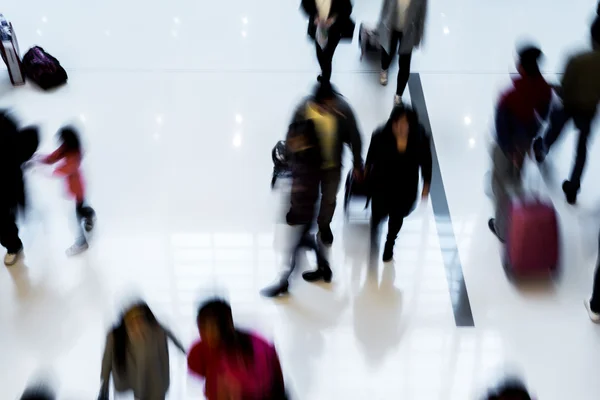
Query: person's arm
[
  {"x": 422, "y": 15},
  {"x": 425, "y": 161},
  {"x": 69, "y": 167},
  {"x": 174, "y": 339},
  {"x": 54, "y": 157},
  {"x": 372, "y": 152},
  {"x": 310, "y": 8},
  {"x": 107, "y": 362},
  {"x": 568, "y": 80},
  {"x": 354, "y": 138}
]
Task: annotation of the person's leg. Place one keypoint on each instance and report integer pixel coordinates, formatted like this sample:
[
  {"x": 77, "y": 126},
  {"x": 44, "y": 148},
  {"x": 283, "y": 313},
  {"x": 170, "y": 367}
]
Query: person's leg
[
  {"x": 325, "y": 57},
  {"x": 558, "y": 118},
  {"x": 330, "y": 182},
  {"x": 593, "y": 305},
  {"x": 323, "y": 271},
  {"x": 583, "y": 124},
  {"x": 81, "y": 243},
  {"x": 394, "y": 225},
  {"x": 403, "y": 73},
  {"x": 386, "y": 58},
  {"x": 9, "y": 236},
  {"x": 378, "y": 213}
]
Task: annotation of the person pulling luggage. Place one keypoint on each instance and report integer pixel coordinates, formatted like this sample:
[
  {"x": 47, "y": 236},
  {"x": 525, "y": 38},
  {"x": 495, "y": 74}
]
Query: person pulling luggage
[
  {"x": 580, "y": 93},
  {"x": 517, "y": 123},
  {"x": 398, "y": 151},
  {"x": 335, "y": 125}
]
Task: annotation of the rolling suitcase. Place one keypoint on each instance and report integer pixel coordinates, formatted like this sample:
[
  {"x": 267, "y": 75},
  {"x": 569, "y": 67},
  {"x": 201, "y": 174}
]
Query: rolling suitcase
[
  {"x": 10, "y": 52},
  {"x": 532, "y": 240},
  {"x": 355, "y": 189}
]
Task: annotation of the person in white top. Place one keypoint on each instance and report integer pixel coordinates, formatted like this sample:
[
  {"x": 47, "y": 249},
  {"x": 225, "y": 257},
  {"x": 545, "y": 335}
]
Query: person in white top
[
  {"x": 328, "y": 22},
  {"x": 401, "y": 23}
]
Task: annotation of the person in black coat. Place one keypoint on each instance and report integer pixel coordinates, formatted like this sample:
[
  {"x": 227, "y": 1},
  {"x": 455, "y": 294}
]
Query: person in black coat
[
  {"x": 305, "y": 155},
  {"x": 398, "y": 151},
  {"x": 330, "y": 19},
  {"x": 16, "y": 147}
]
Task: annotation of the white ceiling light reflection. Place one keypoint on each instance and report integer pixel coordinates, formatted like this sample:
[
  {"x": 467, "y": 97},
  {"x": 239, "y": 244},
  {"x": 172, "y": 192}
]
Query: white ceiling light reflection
[
  {"x": 237, "y": 140},
  {"x": 238, "y": 118},
  {"x": 176, "y": 20},
  {"x": 471, "y": 142},
  {"x": 107, "y": 32},
  {"x": 44, "y": 19},
  {"x": 39, "y": 32},
  {"x": 446, "y": 30},
  {"x": 245, "y": 20},
  {"x": 159, "y": 119},
  {"x": 156, "y": 136},
  {"x": 467, "y": 120},
  {"x": 244, "y": 34},
  {"x": 82, "y": 117},
  {"x": 174, "y": 33}
]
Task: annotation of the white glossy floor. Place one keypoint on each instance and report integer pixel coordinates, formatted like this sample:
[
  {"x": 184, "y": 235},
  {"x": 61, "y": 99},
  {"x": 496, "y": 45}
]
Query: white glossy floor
[{"x": 181, "y": 102}]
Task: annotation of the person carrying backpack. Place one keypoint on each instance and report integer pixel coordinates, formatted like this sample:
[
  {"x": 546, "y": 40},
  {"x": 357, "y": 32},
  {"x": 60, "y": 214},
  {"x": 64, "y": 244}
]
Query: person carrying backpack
[
  {"x": 580, "y": 93},
  {"x": 518, "y": 120}
]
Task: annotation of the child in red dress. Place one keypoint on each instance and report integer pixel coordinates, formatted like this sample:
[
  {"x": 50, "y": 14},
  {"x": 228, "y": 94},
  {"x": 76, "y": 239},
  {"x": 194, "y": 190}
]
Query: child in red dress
[{"x": 69, "y": 154}]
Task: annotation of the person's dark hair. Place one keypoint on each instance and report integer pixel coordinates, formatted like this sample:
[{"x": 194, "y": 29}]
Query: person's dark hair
[
  {"x": 324, "y": 91},
  {"x": 233, "y": 340},
  {"x": 595, "y": 30},
  {"x": 529, "y": 57},
  {"x": 70, "y": 139},
  {"x": 511, "y": 389},
  {"x": 121, "y": 340},
  {"x": 38, "y": 392},
  {"x": 8, "y": 124}
]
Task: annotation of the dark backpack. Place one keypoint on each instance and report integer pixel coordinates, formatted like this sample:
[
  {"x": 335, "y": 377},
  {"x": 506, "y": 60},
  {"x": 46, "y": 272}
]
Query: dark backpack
[{"x": 43, "y": 69}]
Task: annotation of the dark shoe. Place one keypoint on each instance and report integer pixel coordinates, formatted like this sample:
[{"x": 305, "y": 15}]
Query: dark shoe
[
  {"x": 325, "y": 235},
  {"x": 276, "y": 290},
  {"x": 388, "y": 251},
  {"x": 570, "y": 192},
  {"x": 492, "y": 226},
  {"x": 321, "y": 273},
  {"x": 539, "y": 150}
]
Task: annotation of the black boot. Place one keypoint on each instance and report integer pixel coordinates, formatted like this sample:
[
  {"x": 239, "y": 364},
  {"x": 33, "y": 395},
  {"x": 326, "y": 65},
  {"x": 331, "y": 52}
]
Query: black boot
[
  {"x": 570, "y": 191},
  {"x": 321, "y": 273},
  {"x": 388, "y": 250},
  {"x": 492, "y": 226}
]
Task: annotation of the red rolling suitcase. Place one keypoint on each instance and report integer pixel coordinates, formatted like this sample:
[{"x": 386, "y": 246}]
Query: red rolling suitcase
[{"x": 532, "y": 240}]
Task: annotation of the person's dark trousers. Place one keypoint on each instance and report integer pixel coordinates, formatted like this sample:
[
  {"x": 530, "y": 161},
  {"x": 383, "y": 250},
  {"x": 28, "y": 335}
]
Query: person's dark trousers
[
  {"x": 9, "y": 233},
  {"x": 403, "y": 62},
  {"x": 595, "y": 300},
  {"x": 325, "y": 56},
  {"x": 304, "y": 240},
  {"x": 85, "y": 216},
  {"x": 330, "y": 183},
  {"x": 379, "y": 211},
  {"x": 583, "y": 121}
]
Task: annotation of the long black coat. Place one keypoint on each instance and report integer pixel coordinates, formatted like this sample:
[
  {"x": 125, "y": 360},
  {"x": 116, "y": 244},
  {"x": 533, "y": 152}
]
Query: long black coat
[
  {"x": 16, "y": 147},
  {"x": 393, "y": 177},
  {"x": 341, "y": 9}
]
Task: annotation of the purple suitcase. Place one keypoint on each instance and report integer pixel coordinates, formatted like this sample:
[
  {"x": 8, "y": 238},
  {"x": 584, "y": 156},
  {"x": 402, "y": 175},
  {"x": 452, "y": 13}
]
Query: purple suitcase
[{"x": 532, "y": 240}]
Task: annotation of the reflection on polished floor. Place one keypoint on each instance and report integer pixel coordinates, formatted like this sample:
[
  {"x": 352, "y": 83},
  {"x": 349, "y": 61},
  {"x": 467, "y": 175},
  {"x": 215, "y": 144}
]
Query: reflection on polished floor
[{"x": 181, "y": 103}]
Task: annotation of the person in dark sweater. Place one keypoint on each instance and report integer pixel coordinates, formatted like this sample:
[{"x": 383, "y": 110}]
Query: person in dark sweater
[
  {"x": 335, "y": 125},
  {"x": 328, "y": 22},
  {"x": 16, "y": 148},
  {"x": 304, "y": 150},
  {"x": 398, "y": 151},
  {"x": 518, "y": 121},
  {"x": 580, "y": 93}
]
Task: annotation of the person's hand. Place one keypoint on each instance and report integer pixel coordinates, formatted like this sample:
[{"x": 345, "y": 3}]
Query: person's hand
[
  {"x": 425, "y": 192},
  {"x": 358, "y": 174},
  {"x": 317, "y": 21},
  {"x": 330, "y": 22}
]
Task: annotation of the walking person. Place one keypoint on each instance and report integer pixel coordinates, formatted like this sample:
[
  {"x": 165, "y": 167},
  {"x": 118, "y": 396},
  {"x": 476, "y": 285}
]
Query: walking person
[
  {"x": 398, "y": 152},
  {"x": 580, "y": 93},
  {"x": 518, "y": 121},
  {"x": 401, "y": 27},
  {"x": 306, "y": 160},
  {"x": 234, "y": 364},
  {"x": 16, "y": 148},
  {"x": 335, "y": 125},
  {"x": 70, "y": 155},
  {"x": 137, "y": 355},
  {"x": 328, "y": 22}
]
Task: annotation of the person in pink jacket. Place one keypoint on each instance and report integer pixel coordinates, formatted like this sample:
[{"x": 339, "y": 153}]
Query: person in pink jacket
[{"x": 68, "y": 157}]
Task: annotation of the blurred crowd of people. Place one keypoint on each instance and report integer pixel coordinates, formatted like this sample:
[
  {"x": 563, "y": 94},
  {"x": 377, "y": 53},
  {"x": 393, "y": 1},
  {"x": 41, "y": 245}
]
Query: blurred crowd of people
[{"x": 236, "y": 364}]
